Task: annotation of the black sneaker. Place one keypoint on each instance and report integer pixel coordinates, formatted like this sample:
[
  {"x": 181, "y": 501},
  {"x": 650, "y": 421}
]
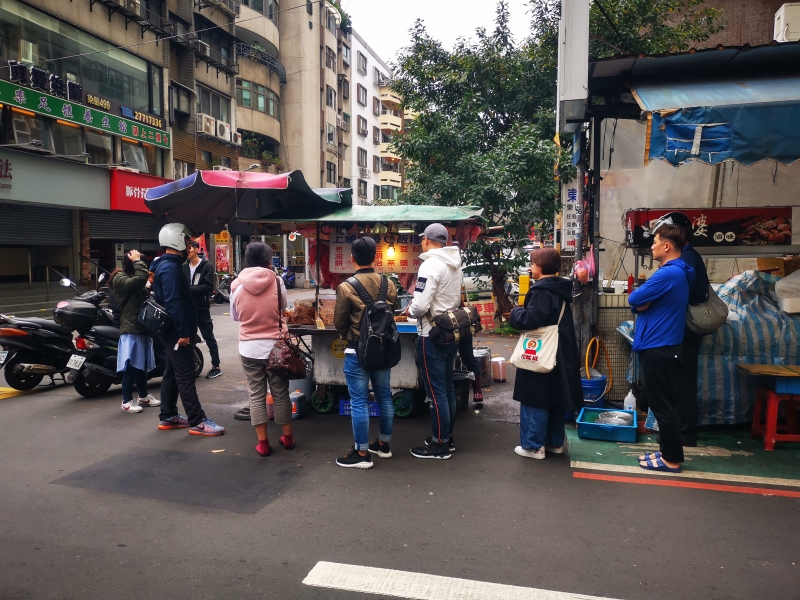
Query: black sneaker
[
  {"x": 354, "y": 460},
  {"x": 243, "y": 414},
  {"x": 383, "y": 451},
  {"x": 451, "y": 444},
  {"x": 432, "y": 450},
  {"x": 213, "y": 373}
]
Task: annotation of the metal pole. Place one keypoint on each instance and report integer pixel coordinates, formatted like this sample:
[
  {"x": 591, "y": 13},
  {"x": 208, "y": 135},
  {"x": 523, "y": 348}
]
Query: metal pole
[
  {"x": 47, "y": 282},
  {"x": 30, "y": 270},
  {"x": 285, "y": 251},
  {"x": 306, "y": 257}
]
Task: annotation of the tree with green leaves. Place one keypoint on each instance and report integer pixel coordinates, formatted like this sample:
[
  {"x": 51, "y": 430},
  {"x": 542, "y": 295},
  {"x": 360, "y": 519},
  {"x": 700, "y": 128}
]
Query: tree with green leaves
[{"x": 485, "y": 126}]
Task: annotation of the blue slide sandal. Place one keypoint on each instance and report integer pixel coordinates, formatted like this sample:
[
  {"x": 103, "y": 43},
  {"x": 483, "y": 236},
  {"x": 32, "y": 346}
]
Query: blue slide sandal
[{"x": 657, "y": 464}]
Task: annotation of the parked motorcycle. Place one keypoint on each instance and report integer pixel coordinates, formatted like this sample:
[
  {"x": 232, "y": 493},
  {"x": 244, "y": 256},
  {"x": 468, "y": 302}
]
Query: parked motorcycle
[
  {"x": 32, "y": 347},
  {"x": 223, "y": 293},
  {"x": 288, "y": 278}
]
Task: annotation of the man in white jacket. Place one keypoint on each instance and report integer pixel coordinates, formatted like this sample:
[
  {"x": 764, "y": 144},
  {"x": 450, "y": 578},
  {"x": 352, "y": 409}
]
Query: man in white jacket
[{"x": 438, "y": 289}]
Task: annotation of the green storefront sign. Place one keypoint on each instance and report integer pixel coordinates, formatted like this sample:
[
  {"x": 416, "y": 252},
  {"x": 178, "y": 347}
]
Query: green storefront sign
[{"x": 58, "y": 108}]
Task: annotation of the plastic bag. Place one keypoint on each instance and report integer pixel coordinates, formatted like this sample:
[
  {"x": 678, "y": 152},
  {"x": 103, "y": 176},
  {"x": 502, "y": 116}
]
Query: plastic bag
[
  {"x": 581, "y": 271},
  {"x": 788, "y": 287}
]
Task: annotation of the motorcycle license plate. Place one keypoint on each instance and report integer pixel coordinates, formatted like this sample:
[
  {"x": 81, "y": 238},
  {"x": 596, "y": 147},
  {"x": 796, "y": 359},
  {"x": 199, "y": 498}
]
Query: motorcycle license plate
[
  {"x": 76, "y": 361},
  {"x": 3, "y": 356}
]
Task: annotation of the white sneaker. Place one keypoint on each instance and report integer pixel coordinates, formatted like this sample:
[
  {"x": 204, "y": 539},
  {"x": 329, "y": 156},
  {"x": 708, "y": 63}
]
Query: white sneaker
[
  {"x": 131, "y": 407},
  {"x": 555, "y": 449},
  {"x": 150, "y": 400},
  {"x": 537, "y": 454}
]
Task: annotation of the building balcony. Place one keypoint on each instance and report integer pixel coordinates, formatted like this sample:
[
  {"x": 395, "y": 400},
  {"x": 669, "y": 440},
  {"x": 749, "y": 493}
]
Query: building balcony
[
  {"x": 260, "y": 56},
  {"x": 250, "y": 119},
  {"x": 387, "y": 154},
  {"x": 228, "y": 6},
  {"x": 215, "y": 58},
  {"x": 390, "y": 121},
  {"x": 409, "y": 115},
  {"x": 390, "y": 98},
  {"x": 144, "y": 17},
  {"x": 390, "y": 178}
]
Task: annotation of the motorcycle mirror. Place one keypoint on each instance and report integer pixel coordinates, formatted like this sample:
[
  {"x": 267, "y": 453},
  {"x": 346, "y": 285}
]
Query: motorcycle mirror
[{"x": 65, "y": 282}]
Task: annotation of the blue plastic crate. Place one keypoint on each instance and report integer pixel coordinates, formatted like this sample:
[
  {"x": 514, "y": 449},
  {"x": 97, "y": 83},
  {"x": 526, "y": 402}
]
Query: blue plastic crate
[
  {"x": 344, "y": 408},
  {"x": 588, "y": 429},
  {"x": 406, "y": 328}
]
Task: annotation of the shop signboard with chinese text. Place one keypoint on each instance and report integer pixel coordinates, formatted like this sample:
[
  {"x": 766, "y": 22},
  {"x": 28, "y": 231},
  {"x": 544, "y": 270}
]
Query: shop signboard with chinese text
[
  {"x": 128, "y": 189},
  {"x": 39, "y": 102},
  {"x": 395, "y": 254},
  {"x": 719, "y": 227},
  {"x": 572, "y": 212}
]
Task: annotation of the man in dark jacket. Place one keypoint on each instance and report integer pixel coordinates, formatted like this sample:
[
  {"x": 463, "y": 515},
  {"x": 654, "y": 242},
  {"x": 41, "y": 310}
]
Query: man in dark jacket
[
  {"x": 171, "y": 290},
  {"x": 546, "y": 397},
  {"x": 661, "y": 304},
  {"x": 200, "y": 274}
]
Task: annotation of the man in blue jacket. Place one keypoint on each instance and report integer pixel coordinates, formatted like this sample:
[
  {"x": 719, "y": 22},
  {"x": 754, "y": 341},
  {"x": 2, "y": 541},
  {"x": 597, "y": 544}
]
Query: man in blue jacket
[
  {"x": 661, "y": 304},
  {"x": 171, "y": 290}
]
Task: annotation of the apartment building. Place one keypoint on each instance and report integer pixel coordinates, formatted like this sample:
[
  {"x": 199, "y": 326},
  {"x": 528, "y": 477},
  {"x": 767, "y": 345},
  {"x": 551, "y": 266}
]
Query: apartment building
[{"x": 375, "y": 117}]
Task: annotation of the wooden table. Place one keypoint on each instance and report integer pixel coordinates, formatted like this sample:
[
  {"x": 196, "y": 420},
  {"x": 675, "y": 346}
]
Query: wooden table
[{"x": 784, "y": 384}]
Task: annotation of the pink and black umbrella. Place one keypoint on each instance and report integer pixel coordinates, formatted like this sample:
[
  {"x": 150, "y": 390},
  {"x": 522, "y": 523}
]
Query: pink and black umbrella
[{"x": 207, "y": 200}]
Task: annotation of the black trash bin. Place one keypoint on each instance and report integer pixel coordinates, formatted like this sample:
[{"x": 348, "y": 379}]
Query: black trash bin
[{"x": 462, "y": 381}]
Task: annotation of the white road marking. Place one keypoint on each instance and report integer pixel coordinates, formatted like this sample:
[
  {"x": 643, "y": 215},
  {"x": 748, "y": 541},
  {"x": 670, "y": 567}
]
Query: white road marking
[{"x": 420, "y": 586}]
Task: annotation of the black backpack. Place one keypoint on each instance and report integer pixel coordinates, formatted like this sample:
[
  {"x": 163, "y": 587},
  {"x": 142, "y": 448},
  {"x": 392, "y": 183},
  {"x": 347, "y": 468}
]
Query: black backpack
[{"x": 379, "y": 342}]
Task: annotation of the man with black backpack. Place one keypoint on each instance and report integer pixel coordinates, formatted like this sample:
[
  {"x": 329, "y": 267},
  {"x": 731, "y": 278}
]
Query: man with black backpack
[{"x": 364, "y": 316}]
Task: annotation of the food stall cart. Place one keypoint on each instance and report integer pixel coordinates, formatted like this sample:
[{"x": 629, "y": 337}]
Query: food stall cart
[{"x": 396, "y": 231}]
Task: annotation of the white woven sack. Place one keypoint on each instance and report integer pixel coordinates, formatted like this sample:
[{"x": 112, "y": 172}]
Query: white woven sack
[{"x": 536, "y": 350}]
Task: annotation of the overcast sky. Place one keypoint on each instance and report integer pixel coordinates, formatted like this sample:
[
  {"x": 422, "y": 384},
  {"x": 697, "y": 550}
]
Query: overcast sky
[{"x": 446, "y": 20}]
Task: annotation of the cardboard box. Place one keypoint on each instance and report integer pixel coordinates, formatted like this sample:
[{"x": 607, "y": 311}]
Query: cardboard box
[{"x": 779, "y": 266}]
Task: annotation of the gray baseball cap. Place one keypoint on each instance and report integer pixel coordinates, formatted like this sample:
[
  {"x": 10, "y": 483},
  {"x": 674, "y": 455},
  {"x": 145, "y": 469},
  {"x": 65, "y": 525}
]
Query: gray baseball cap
[{"x": 436, "y": 232}]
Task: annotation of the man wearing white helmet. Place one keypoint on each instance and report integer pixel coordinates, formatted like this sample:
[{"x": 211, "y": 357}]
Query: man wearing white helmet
[{"x": 171, "y": 290}]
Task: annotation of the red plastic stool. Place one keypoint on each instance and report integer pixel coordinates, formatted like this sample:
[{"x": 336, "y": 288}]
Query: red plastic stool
[{"x": 770, "y": 430}]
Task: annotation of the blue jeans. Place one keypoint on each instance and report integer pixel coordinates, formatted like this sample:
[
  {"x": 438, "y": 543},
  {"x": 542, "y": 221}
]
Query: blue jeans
[
  {"x": 358, "y": 383},
  {"x": 540, "y": 427},
  {"x": 130, "y": 375},
  {"x": 436, "y": 365}
]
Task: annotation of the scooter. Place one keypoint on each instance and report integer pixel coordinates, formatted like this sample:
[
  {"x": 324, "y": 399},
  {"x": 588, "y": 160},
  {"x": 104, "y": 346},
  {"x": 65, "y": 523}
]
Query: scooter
[
  {"x": 288, "y": 278},
  {"x": 223, "y": 293}
]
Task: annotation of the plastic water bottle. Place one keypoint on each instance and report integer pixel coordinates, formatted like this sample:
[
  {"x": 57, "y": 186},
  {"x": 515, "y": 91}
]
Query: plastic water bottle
[
  {"x": 630, "y": 401},
  {"x": 298, "y": 399},
  {"x": 270, "y": 407}
]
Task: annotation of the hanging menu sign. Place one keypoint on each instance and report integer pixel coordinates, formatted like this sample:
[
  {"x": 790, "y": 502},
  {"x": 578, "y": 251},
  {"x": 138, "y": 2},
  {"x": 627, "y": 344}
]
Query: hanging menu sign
[
  {"x": 394, "y": 254},
  {"x": 59, "y": 108}
]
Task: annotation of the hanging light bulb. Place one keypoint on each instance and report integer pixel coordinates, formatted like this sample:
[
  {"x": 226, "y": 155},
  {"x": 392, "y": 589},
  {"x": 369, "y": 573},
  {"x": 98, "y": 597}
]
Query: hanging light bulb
[{"x": 390, "y": 251}]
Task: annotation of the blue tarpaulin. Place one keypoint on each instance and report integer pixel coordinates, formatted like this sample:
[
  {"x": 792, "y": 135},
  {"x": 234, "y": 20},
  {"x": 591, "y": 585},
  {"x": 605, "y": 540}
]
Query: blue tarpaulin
[
  {"x": 744, "y": 120},
  {"x": 756, "y": 332}
]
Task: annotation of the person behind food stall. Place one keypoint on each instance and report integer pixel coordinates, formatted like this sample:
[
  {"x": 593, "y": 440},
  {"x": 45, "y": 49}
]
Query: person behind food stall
[
  {"x": 258, "y": 297},
  {"x": 546, "y": 398},
  {"x": 661, "y": 304},
  {"x": 171, "y": 291},
  {"x": 135, "y": 357},
  {"x": 347, "y": 318},
  {"x": 438, "y": 290},
  {"x": 200, "y": 273}
]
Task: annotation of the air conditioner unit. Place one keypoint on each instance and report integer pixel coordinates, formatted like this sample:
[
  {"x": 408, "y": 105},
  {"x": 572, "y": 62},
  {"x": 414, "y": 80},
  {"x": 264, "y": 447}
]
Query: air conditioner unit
[
  {"x": 221, "y": 168},
  {"x": 206, "y": 124},
  {"x": 787, "y": 23},
  {"x": 364, "y": 172},
  {"x": 223, "y": 131},
  {"x": 133, "y": 5},
  {"x": 203, "y": 48},
  {"x": 236, "y": 138},
  {"x": 339, "y": 121}
]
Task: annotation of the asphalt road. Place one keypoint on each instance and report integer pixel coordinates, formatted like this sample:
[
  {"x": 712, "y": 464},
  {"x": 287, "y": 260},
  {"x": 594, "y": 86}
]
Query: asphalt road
[{"x": 96, "y": 503}]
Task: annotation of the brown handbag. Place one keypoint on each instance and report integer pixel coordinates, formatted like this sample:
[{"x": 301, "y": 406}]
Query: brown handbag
[{"x": 286, "y": 359}]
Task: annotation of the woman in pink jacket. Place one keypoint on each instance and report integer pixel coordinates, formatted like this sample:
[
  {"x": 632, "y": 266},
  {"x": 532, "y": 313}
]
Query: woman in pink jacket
[{"x": 257, "y": 299}]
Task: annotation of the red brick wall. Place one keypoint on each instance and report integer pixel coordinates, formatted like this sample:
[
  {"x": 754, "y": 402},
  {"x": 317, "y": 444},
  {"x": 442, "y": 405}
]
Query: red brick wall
[{"x": 748, "y": 22}]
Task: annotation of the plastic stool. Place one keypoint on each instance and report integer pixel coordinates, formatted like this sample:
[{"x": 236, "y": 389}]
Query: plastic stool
[{"x": 770, "y": 430}]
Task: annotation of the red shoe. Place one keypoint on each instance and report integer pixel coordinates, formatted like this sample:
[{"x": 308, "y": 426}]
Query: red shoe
[
  {"x": 263, "y": 454},
  {"x": 282, "y": 442}
]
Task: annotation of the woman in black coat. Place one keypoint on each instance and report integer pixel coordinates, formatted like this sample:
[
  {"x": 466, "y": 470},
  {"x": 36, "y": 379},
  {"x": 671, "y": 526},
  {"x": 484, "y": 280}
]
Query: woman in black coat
[{"x": 545, "y": 398}]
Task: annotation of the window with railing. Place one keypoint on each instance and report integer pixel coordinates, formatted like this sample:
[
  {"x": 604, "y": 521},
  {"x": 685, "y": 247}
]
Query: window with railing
[
  {"x": 330, "y": 22},
  {"x": 330, "y": 58},
  {"x": 219, "y": 43},
  {"x": 376, "y": 135},
  {"x": 330, "y": 135},
  {"x": 362, "y": 126},
  {"x": 213, "y": 104},
  {"x": 253, "y": 95}
]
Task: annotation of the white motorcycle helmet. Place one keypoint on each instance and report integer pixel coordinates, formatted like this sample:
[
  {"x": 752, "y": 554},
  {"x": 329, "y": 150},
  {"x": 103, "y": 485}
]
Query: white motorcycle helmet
[{"x": 174, "y": 235}]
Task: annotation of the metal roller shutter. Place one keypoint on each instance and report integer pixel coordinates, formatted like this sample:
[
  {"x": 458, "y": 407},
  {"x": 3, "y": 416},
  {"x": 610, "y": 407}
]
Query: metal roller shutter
[
  {"x": 35, "y": 225},
  {"x": 117, "y": 225}
]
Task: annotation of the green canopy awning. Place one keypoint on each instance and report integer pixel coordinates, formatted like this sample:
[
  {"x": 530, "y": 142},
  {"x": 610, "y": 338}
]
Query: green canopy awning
[{"x": 415, "y": 213}]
